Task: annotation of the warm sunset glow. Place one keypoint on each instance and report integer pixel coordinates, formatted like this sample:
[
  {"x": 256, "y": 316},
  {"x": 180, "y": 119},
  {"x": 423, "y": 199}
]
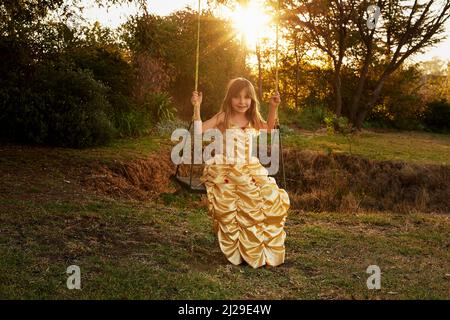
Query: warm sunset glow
[{"x": 251, "y": 22}]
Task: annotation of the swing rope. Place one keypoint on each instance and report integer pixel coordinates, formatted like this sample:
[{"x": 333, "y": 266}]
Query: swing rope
[
  {"x": 276, "y": 46},
  {"x": 197, "y": 62},
  {"x": 277, "y": 121},
  {"x": 197, "y": 58}
]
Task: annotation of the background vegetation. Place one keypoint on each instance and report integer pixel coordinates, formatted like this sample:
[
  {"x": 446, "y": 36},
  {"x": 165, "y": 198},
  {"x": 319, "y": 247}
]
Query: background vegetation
[{"x": 68, "y": 83}]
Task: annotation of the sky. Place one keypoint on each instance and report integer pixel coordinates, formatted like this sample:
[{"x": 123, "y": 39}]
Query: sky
[
  {"x": 113, "y": 17},
  {"x": 118, "y": 14}
]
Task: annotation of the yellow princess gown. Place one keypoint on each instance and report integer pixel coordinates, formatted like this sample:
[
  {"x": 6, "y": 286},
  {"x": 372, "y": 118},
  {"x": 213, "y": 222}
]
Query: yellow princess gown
[{"x": 247, "y": 208}]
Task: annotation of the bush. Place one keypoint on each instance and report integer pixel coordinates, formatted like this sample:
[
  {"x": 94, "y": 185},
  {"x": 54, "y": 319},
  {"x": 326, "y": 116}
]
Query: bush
[
  {"x": 158, "y": 106},
  {"x": 437, "y": 116},
  {"x": 62, "y": 105},
  {"x": 312, "y": 118},
  {"x": 126, "y": 117},
  {"x": 108, "y": 65},
  {"x": 285, "y": 130},
  {"x": 405, "y": 123},
  {"x": 166, "y": 127},
  {"x": 387, "y": 116},
  {"x": 132, "y": 119},
  {"x": 59, "y": 106}
]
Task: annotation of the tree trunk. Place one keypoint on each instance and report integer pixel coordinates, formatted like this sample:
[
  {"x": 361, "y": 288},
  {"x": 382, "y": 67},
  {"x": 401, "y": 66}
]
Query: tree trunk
[
  {"x": 338, "y": 93},
  {"x": 359, "y": 90},
  {"x": 362, "y": 114},
  {"x": 362, "y": 80}
]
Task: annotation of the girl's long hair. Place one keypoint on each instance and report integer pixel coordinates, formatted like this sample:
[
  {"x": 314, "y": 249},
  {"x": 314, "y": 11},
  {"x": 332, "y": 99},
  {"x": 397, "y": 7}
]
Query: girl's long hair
[{"x": 235, "y": 86}]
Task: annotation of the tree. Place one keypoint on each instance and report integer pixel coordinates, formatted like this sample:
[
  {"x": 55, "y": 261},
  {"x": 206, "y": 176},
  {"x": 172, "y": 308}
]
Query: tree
[
  {"x": 435, "y": 80},
  {"x": 297, "y": 47},
  {"x": 402, "y": 36},
  {"x": 171, "y": 42},
  {"x": 339, "y": 29},
  {"x": 220, "y": 59},
  {"x": 327, "y": 26}
]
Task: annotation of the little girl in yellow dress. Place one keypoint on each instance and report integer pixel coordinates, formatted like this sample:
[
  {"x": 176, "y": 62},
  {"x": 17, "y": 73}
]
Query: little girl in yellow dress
[{"x": 247, "y": 207}]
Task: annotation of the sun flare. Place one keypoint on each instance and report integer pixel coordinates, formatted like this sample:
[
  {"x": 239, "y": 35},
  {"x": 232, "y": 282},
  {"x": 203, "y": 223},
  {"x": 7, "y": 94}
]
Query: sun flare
[{"x": 251, "y": 22}]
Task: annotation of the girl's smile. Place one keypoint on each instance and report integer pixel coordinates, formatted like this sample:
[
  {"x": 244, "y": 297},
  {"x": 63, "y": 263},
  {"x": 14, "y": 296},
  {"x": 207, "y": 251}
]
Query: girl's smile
[{"x": 242, "y": 102}]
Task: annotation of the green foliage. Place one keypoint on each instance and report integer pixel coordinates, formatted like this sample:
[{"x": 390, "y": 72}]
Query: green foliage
[
  {"x": 312, "y": 118},
  {"x": 342, "y": 126},
  {"x": 400, "y": 103},
  {"x": 67, "y": 87},
  {"x": 108, "y": 65},
  {"x": 45, "y": 97},
  {"x": 61, "y": 107},
  {"x": 104, "y": 85},
  {"x": 131, "y": 122},
  {"x": 285, "y": 130},
  {"x": 220, "y": 60},
  {"x": 133, "y": 119},
  {"x": 166, "y": 127},
  {"x": 149, "y": 33},
  {"x": 159, "y": 106},
  {"x": 437, "y": 116},
  {"x": 338, "y": 124}
]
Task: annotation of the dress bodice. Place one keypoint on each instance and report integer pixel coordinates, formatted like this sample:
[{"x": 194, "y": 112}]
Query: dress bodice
[{"x": 241, "y": 139}]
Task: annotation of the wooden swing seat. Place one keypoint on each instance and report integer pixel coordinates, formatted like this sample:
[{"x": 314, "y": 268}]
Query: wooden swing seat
[{"x": 197, "y": 185}]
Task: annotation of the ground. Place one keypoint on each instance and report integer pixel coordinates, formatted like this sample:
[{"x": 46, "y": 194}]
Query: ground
[{"x": 164, "y": 248}]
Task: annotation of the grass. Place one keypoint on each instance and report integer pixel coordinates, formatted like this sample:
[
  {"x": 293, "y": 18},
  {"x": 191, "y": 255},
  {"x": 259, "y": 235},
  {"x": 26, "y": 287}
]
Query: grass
[
  {"x": 166, "y": 249},
  {"x": 410, "y": 146},
  {"x": 135, "y": 250},
  {"x": 122, "y": 149}
]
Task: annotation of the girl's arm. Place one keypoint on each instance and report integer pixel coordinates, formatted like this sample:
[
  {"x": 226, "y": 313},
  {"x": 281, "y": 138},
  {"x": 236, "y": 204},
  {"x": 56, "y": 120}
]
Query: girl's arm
[
  {"x": 213, "y": 122},
  {"x": 196, "y": 101},
  {"x": 199, "y": 126}
]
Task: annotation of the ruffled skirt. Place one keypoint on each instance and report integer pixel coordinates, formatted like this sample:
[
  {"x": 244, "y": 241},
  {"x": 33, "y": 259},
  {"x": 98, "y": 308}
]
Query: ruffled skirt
[{"x": 248, "y": 212}]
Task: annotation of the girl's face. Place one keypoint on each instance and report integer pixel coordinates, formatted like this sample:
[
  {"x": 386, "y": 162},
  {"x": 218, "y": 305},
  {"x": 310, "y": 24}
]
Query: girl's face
[{"x": 242, "y": 102}]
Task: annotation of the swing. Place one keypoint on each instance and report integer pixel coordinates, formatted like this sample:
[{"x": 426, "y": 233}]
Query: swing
[{"x": 192, "y": 183}]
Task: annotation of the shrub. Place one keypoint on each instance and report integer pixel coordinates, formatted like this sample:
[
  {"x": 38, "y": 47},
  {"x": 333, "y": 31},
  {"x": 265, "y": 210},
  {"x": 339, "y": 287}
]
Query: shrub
[
  {"x": 158, "y": 106},
  {"x": 60, "y": 106},
  {"x": 126, "y": 116},
  {"x": 312, "y": 118},
  {"x": 340, "y": 125},
  {"x": 166, "y": 127},
  {"x": 437, "y": 116}
]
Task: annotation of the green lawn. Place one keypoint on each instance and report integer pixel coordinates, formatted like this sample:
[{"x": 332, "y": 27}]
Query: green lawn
[
  {"x": 165, "y": 249},
  {"x": 411, "y": 146},
  {"x": 138, "y": 250}
]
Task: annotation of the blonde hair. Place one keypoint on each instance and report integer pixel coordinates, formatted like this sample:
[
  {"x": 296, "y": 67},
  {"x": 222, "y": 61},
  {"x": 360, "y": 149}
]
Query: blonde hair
[{"x": 235, "y": 86}]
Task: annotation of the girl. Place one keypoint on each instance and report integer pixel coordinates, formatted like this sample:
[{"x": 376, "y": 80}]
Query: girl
[{"x": 247, "y": 207}]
